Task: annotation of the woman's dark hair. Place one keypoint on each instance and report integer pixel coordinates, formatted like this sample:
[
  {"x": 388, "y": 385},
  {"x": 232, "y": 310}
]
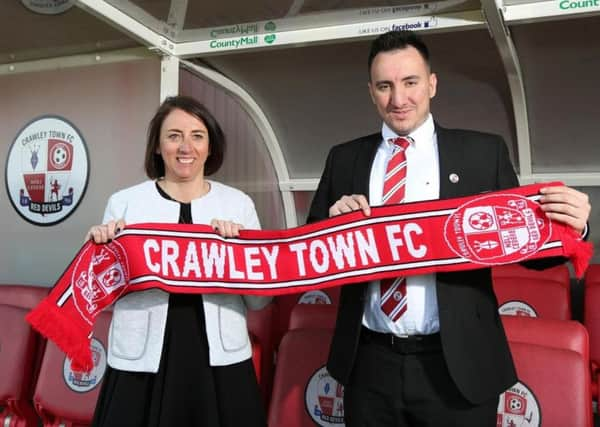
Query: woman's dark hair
[{"x": 154, "y": 164}]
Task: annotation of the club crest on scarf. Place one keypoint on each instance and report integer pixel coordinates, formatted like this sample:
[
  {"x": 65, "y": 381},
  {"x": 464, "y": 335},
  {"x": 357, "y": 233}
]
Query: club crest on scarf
[
  {"x": 100, "y": 281},
  {"x": 497, "y": 229}
]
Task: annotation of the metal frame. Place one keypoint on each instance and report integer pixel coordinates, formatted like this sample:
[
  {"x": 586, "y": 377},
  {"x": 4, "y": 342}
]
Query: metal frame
[
  {"x": 122, "y": 55},
  {"x": 501, "y": 35}
]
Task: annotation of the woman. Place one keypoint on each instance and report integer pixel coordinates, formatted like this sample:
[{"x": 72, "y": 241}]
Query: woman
[{"x": 176, "y": 359}]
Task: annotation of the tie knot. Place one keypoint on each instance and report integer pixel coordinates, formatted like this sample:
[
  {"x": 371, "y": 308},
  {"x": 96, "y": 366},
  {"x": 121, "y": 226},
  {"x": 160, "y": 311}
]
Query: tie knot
[{"x": 401, "y": 142}]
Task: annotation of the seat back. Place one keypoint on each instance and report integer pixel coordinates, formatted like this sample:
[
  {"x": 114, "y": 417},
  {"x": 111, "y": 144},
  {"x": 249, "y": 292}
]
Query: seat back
[
  {"x": 561, "y": 334},
  {"x": 591, "y": 313},
  {"x": 591, "y": 319},
  {"x": 559, "y": 274},
  {"x": 285, "y": 304},
  {"x": 64, "y": 396},
  {"x": 554, "y": 380},
  {"x": 533, "y": 293},
  {"x": 313, "y": 316},
  {"x": 304, "y": 394},
  {"x": 18, "y": 349},
  {"x": 20, "y": 354},
  {"x": 22, "y": 295}
]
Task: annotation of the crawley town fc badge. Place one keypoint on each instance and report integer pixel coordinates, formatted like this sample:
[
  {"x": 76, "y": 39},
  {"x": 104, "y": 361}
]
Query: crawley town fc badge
[
  {"x": 47, "y": 170},
  {"x": 497, "y": 229},
  {"x": 48, "y": 7},
  {"x": 518, "y": 407},
  {"x": 82, "y": 382},
  {"x": 324, "y": 399}
]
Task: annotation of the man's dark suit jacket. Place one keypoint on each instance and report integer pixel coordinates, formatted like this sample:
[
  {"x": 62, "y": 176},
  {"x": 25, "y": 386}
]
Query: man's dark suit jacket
[{"x": 473, "y": 339}]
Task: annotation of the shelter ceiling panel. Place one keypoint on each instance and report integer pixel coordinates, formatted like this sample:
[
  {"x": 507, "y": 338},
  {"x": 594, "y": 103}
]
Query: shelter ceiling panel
[
  {"x": 230, "y": 12},
  {"x": 29, "y": 35},
  {"x": 316, "y": 96},
  {"x": 312, "y": 6},
  {"x": 194, "y": 20},
  {"x": 561, "y": 71},
  {"x": 159, "y": 9}
]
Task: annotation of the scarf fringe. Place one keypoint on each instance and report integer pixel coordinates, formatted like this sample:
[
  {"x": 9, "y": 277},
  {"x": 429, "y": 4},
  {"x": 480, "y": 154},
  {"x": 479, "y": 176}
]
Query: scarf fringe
[
  {"x": 49, "y": 321},
  {"x": 579, "y": 252}
]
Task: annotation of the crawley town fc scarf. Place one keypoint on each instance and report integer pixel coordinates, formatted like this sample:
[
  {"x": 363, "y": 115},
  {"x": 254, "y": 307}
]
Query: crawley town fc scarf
[{"x": 407, "y": 239}]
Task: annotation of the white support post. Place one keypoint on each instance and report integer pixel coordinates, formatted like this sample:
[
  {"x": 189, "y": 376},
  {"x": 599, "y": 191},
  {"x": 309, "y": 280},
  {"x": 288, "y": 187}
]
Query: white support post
[
  {"x": 501, "y": 35},
  {"x": 169, "y": 76}
]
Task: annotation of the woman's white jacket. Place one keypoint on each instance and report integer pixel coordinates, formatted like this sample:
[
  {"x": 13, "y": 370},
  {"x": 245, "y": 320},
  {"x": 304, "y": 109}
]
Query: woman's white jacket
[{"x": 137, "y": 329}]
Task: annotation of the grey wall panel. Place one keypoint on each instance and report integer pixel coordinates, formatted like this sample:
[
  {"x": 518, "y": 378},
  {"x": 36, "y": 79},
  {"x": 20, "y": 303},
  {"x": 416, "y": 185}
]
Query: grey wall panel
[
  {"x": 111, "y": 106},
  {"x": 561, "y": 68},
  {"x": 247, "y": 164}
]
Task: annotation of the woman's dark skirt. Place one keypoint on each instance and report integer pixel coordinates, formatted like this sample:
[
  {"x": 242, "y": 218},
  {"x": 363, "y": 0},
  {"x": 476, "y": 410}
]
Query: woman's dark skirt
[{"x": 186, "y": 390}]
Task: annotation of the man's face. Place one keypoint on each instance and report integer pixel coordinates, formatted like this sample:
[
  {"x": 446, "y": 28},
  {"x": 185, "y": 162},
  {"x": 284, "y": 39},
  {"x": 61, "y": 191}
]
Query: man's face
[{"x": 401, "y": 87}]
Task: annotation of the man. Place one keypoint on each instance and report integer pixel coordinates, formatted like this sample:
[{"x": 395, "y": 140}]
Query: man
[{"x": 443, "y": 358}]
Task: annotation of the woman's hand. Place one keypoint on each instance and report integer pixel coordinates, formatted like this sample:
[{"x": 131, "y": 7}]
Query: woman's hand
[
  {"x": 226, "y": 228},
  {"x": 104, "y": 233}
]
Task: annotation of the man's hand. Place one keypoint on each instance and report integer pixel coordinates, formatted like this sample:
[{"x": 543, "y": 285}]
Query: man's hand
[
  {"x": 566, "y": 205},
  {"x": 350, "y": 203}
]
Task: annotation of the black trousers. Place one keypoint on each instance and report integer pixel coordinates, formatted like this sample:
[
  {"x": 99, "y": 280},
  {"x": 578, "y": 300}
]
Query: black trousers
[{"x": 405, "y": 383}]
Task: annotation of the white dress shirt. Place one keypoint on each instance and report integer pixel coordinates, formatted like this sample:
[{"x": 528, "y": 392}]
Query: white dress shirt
[{"x": 422, "y": 183}]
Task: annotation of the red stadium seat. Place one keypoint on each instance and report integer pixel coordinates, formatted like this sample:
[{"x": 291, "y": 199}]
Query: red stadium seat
[
  {"x": 304, "y": 394},
  {"x": 65, "y": 397},
  {"x": 533, "y": 293},
  {"x": 313, "y": 316},
  {"x": 551, "y": 358},
  {"x": 285, "y": 304},
  {"x": 561, "y": 334},
  {"x": 20, "y": 352},
  {"x": 591, "y": 320},
  {"x": 22, "y": 295},
  {"x": 257, "y": 357},
  {"x": 560, "y": 273},
  {"x": 260, "y": 326},
  {"x": 18, "y": 349}
]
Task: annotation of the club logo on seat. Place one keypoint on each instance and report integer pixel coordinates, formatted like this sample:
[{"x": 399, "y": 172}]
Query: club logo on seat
[
  {"x": 518, "y": 407},
  {"x": 497, "y": 229},
  {"x": 82, "y": 382},
  {"x": 314, "y": 297},
  {"x": 517, "y": 308},
  {"x": 324, "y": 399}
]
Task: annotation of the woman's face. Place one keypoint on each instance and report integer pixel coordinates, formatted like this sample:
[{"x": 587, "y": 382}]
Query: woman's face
[{"x": 184, "y": 146}]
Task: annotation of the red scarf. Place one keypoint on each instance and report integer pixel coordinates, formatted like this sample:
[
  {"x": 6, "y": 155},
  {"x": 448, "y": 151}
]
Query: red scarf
[{"x": 415, "y": 238}]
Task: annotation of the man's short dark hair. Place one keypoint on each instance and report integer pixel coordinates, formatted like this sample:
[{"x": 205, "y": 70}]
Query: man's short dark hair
[
  {"x": 394, "y": 40},
  {"x": 154, "y": 164}
]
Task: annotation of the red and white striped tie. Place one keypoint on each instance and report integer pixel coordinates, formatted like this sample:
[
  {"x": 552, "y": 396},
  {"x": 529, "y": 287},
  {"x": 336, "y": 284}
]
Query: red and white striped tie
[{"x": 393, "y": 291}]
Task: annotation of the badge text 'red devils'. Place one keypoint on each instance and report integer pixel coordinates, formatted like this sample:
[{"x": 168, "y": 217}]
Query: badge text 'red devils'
[{"x": 47, "y": 170}]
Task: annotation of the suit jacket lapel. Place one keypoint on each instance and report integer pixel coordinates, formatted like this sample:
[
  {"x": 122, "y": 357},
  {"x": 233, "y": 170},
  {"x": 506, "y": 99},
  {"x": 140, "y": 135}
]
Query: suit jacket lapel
[
  {"x": 363, "y": 164},
  {"x": 450, "y": 159}
]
